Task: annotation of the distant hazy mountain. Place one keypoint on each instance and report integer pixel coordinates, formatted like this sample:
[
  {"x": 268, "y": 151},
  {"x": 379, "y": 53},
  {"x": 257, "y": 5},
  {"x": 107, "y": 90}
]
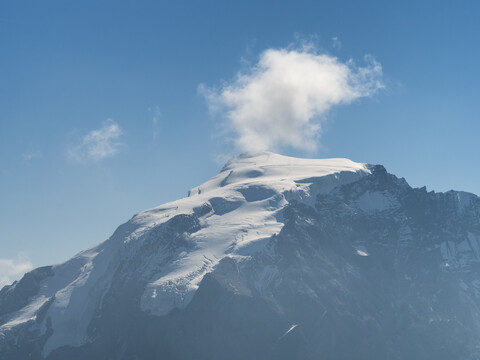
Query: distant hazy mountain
[{"x": 273, "y": 258}]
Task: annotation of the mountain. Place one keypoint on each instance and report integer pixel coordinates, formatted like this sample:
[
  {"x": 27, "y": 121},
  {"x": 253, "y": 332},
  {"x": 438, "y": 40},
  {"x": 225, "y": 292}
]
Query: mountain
[{"x": 273, "y": 258}]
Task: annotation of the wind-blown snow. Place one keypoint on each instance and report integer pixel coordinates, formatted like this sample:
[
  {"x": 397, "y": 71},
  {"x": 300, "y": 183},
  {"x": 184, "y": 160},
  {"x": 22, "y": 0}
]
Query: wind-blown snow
[{"x": 243, "y": 203}]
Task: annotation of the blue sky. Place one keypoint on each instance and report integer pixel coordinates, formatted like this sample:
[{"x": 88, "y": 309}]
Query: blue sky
[{"x": 101, "y": 114}]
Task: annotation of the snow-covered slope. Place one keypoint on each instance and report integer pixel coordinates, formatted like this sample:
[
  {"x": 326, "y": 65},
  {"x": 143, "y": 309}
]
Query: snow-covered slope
[
  {"x": 238, "y": 210},
  {"x": 242, "y": 227}
]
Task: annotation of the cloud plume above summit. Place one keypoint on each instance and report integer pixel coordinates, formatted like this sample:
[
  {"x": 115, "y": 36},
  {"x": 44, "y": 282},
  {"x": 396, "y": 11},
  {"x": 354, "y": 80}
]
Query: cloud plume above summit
[{"x": 283, "y": 99}]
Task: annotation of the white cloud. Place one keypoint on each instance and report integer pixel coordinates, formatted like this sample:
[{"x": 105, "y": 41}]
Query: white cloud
[
  {"x": 283, "y": 99},
  {"x": 98, "y": 144},
  {"x": 13, "y": 269}
]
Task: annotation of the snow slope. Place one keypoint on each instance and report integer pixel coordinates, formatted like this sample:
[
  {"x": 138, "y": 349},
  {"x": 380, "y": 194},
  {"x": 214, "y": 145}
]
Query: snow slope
[
  {"x": 243, "y": 203},
  {"x": 238, "y": 211}
]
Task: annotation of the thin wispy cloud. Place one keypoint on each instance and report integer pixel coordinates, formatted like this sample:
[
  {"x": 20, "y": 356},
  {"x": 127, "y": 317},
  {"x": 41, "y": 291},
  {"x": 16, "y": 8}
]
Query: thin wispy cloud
[
  {"x": 31, "y": 156},
  {"x": 98, "y": 144},
  {"x": 336, "y": 44},
  {"x": 283, "y": 100},
  {"x": 13, "y": 269},
  {"x": 156, "y": 114}
]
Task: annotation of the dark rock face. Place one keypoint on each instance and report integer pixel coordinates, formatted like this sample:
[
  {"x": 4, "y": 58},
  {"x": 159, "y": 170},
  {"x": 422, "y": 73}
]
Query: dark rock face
[
  {"x": 16, "y": 296},
  {"x": 373, "y": 270}
]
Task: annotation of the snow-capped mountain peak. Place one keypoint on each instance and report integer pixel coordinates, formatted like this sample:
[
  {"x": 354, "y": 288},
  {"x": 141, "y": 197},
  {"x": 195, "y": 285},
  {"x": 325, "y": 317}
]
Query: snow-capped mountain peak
[
  {"x": 274, "y": 229},
  {"x": 233, "y": 214}
]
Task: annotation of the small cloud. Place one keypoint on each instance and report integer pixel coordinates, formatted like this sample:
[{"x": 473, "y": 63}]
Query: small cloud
[
  {"x": 13, "y": 269},
  {"x": 98, "y": 144},
  {"x": 31, "y": 156},
  {"x": 336, "y": 44},
  {"x": 155, "y": 120},
  {"x": 283, "y": 100}
]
